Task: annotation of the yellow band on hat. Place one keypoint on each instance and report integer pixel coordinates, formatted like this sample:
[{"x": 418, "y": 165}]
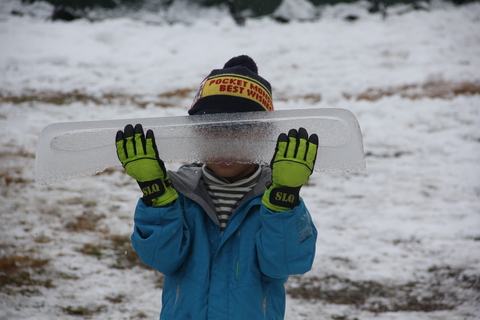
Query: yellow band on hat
[{"x": 237, "y": 86}]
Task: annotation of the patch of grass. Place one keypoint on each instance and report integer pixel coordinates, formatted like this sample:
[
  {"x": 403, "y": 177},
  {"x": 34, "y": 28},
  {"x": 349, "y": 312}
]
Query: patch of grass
[
  {"x": 67, "y": 276},
  {"x": 58, "y": 98},
  {"x": 23, "y": 278},
  {"x": 432, "y": 89},
  {"x": 439, "y": 292},
  {"x": 310, "y": 97},
  {"x": 444, "y": 274},
  {"x": 117, "y": 247},
  {"x": 85, "y": 222},
  {"x": 14, "y": 263},
  {"x": 83, "y": 311},
  {"x": 11, "y": 179},
  {"x": 139, "y": 315},
  {"x": 118, "y": 298},
  {"x": 14, "y": 165},
  {"x": 178, "y": 93},
  {"x": 393, "y": 154},
  {"x": 336, "y": 290},
  {"x": 126, "y": 257},
  {"x": 342, "y": 317},
  {"x": 22, "y": 274},
  {"x": 93, "y": 250}
]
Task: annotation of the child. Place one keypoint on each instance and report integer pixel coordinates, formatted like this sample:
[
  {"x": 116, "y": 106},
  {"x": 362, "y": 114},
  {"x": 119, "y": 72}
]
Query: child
[{"x": 226, "y": 235}]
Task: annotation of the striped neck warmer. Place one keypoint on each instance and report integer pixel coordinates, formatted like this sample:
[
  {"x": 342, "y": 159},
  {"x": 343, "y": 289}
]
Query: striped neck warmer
[{"x": 226, "y": 195}]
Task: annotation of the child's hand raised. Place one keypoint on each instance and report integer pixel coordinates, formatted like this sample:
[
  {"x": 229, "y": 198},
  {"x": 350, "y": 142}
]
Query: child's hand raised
[
  {"x": 291, "y": 165},
  {"x": 139, "y": 156}
]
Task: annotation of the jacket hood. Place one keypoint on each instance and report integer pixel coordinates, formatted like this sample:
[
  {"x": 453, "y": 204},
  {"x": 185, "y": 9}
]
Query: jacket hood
[{"x": 188, "y": 181}]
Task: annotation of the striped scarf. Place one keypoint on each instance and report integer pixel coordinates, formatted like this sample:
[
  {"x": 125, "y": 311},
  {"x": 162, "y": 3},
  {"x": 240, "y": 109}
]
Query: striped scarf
[{"x": 226, "y": 195}]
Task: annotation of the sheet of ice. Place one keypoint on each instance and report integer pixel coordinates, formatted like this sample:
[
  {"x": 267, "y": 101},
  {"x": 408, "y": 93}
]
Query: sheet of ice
[{"x": 74, "y": 149}]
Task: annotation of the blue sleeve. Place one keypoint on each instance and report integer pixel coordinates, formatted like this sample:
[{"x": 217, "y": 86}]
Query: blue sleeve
[
  {"x": 286, "y": 241},
  {"x": 161, "y": 237}
]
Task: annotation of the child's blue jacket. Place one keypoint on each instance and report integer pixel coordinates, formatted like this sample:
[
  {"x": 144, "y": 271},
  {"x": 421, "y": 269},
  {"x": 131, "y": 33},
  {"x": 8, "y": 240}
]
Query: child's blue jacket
[{"x": 239, "y": 274}]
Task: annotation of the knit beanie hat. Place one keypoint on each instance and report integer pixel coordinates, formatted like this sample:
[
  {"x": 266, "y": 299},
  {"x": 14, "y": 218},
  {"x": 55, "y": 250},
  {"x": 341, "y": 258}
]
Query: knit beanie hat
[{"x": 235, "y": 88}]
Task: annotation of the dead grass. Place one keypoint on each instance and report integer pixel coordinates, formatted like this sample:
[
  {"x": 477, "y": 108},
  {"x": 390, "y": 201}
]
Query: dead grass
[
  {"x": 22, "y": 274},
  {"x": 439, "y": 292},
  {"x": 166, "y": 99},
  {"x": 13, "y": 263},
  {"x": 126, "y": 257},
  {"x": 84, "y": 311},
  {"x": 21, "y": 154},
  {"x": 433, "y": 89},
  {"x": 116, "y": 298},
  {"x": 117, "y": 247},
  {"x": 12, "y": 171},
  {"x": 120, "y": 249},
  {"x": 87, "y": 221},
  {"x": 52, "y": 97},
  {"x": 178, "y": 93},
  {"x": 310, "y": 97},
  {"x": 336, "y": 290},
  {"x": 10, "y": 178}
]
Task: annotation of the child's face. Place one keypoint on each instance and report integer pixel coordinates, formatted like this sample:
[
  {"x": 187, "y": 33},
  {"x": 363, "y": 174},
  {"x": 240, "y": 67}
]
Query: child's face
[{"x": 232, "y": 171}]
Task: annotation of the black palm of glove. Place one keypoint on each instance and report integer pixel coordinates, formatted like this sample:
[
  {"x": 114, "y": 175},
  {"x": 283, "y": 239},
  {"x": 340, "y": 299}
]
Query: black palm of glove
[
  {"x": 292, "y": 164},
  {"x": 139, "y": 156}
]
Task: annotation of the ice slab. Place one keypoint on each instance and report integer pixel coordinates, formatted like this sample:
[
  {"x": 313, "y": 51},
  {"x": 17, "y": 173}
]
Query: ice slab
[{"x": 74, "y": 149}]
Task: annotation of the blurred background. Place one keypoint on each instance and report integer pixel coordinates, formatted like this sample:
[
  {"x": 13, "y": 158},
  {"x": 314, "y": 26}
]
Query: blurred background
[{"x": 400, "y": 240}]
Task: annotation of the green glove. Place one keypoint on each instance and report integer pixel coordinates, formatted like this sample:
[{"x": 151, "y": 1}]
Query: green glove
[
  {"x": 291, "y": 165},
  {"x": 139, "y": 157}
]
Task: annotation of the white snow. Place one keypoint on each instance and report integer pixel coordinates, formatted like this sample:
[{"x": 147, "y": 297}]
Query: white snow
[{"x": 412, "y": 217}]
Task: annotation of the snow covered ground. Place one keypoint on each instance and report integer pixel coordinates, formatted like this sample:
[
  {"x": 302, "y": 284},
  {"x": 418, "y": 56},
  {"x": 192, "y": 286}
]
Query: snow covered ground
[{"x": 400, "y": 240}]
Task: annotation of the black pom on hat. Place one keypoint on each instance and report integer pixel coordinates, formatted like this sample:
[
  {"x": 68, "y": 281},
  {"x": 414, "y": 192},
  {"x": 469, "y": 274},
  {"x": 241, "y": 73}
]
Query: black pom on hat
[
  {"x": 235, "y": 88},
  {"x": 244, "y": 61}
]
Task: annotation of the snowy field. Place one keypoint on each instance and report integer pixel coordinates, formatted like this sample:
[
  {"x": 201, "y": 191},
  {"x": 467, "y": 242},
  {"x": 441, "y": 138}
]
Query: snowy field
[{"x": 398, "y": 241}]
